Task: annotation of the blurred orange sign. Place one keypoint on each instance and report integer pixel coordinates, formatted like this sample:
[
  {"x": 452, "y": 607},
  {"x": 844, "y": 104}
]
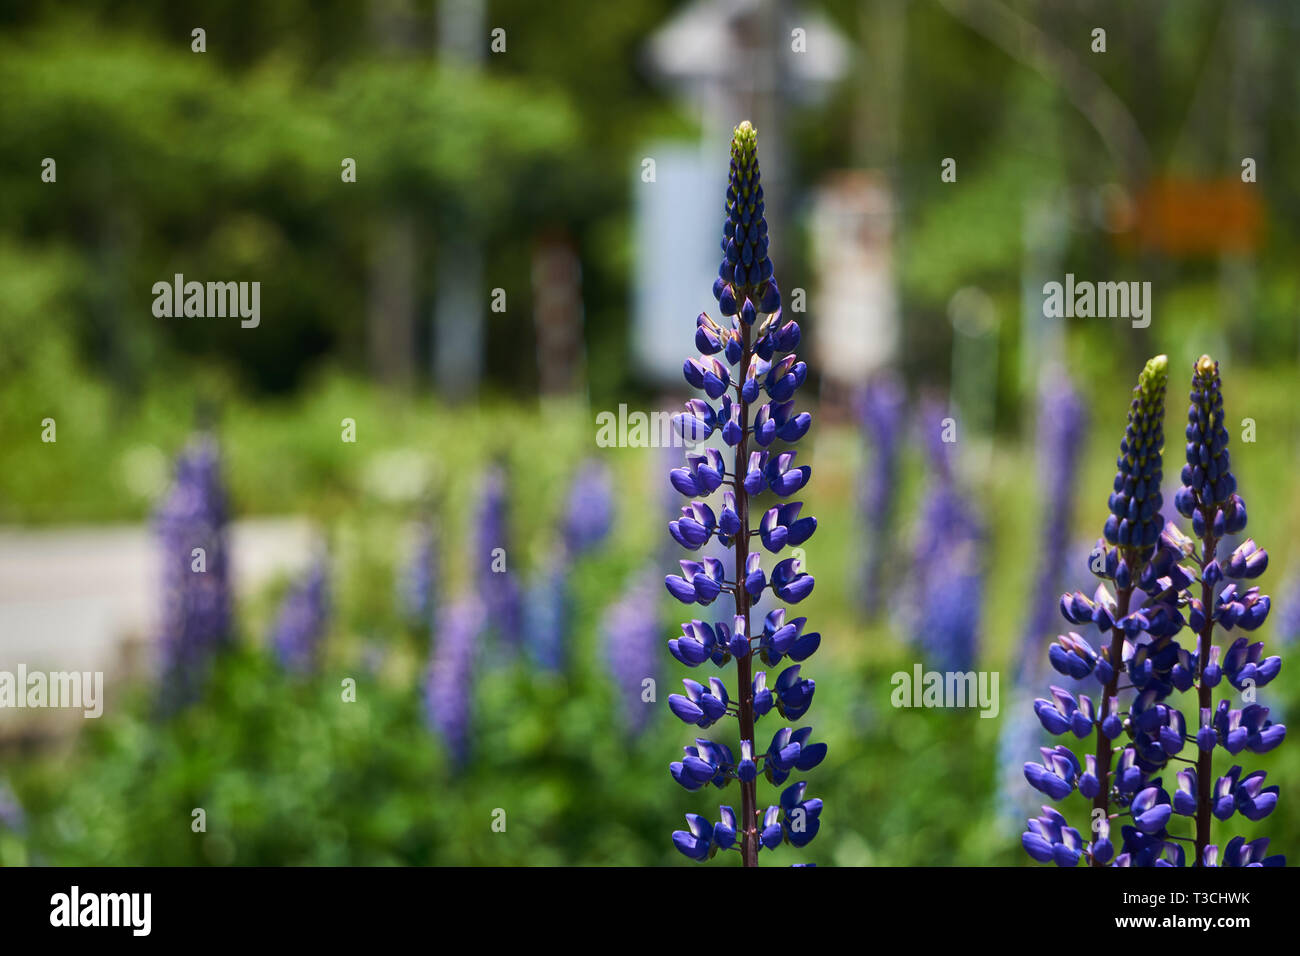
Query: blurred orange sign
[{"x": 1195, "y": 217}]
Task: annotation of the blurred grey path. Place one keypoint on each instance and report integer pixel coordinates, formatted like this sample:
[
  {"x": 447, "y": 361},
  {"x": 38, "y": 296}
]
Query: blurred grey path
[{"x": 86, "y": 598}]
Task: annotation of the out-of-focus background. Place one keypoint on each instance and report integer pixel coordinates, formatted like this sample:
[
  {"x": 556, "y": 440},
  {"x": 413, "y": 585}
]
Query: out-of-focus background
[{"x": 477, "y": 225}]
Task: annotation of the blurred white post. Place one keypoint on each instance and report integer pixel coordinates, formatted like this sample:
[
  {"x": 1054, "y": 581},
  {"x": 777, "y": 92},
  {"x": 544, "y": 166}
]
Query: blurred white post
[{"x": 856, "y": 330}]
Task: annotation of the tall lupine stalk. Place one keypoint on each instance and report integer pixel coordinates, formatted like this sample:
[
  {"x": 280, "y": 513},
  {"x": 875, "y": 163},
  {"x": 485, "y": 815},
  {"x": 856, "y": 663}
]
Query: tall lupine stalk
[
  {"x": 192, "y": 537},
  {"x": 300, "y": 626},
  {"x": 745, "y": 290},
  {"x": 1157, "y": 596},
  {"x": 946, "y": 573},
  {"x": 880, "y": 407}
]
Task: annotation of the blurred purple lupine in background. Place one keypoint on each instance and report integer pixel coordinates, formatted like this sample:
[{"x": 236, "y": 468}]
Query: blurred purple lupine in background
[
  {"x": 449, "y": 687},
  {"x": 301, "y": 624},
  {"x": 192, "y": 536},
  {"x": 495, "y": 580},
  {"x": 546, "y": 619},
  {"x": 418, "y": 596},
  {"x": 1062, "y": 422},
  {"x": 632, "y": 631},
  {"x": 881, "y": 409},
  {"x": 1288, "y": 629},
  {"x": 947, "y": 580},
  {"x": 12, "y": 817},
  {"x": 584, "y": 527},
  {"x": 590, "y": 508}
]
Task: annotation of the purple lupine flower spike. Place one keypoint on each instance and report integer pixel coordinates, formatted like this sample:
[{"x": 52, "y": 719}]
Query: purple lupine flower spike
[
  {"x": 300, "y": 627},
  {"x": 946, "y": 568},
  {"x": 495, "y": 580},
  {"x": 192, "y": 536},
  {"x": 632, "y": 633},
  {"x": 1209, "y": 497},
  {"x": 880, "y": 410},
  {"x": 449, "y": 687},
  {"x": 750, "y": 356},
  {"x": 1165, "y": 584}
]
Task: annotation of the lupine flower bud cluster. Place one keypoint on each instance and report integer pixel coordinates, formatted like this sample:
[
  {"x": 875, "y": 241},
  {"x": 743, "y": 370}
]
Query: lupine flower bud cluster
[
  {"x": 192, "y": 537},
  {"x": 1165, "y": 584},
  {"x": 746, "y": 362}
]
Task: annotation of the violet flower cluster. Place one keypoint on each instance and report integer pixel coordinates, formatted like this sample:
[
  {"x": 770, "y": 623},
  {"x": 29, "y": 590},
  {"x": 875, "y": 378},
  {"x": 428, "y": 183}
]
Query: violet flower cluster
[
  {"x": 192, "y": 537},
  {"x": 1165, "y": 583},
  {"x": 301, "y": 624},
  {"x": 741, "y": 362}
]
